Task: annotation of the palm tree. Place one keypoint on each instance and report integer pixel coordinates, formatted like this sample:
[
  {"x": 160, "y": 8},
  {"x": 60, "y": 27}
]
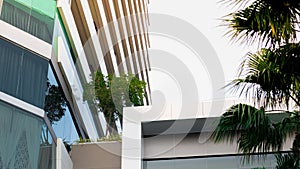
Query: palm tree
[{"x": 271, "y": 76}]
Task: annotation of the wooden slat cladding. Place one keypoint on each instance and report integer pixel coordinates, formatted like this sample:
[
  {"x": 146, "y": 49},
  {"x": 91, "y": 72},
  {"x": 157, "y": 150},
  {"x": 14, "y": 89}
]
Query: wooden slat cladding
[
  {"x": 147, "y": 18},
  {"x": 133, "y": 32},
  {"x": 129, "y": 36},
  {"x": 80, "y": 21},
  {"x": 143, "y": 23},
  {"x": 140, "y": 24},
  {"x": 141, "y": 53},
  {"x": 113, "y": 35},
  {"x": 142, "y": 16},
  {"x": 136, "y": 37},
  {"x": 84, "y": 34},
  {"x": 122, "y": 34},
  {"x": 101, "y": 35}
]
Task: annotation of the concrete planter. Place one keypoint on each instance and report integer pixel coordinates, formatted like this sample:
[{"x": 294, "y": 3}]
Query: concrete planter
[{"x": 101, "y": 155}]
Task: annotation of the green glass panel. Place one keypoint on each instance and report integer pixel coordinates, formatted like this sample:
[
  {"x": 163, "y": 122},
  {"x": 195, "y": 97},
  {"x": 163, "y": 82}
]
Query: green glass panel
[
  {"x": 46, "y": 7},
  {"x": 27, "y": 19}
]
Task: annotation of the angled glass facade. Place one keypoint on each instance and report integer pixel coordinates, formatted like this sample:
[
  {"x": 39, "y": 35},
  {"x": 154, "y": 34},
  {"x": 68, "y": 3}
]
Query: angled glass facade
[
  {"x": 63, "y": 124},
  {"x": 27, "y": 140}
]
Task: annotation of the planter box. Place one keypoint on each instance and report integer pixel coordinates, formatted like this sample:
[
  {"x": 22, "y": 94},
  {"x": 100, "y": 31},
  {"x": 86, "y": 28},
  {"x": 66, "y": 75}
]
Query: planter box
[{"x": 102, "y": 155}]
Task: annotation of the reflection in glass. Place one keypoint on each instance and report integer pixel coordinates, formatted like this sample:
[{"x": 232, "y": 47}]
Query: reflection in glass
[
  {"x": 57, "y": 111},
  {"x": 55, "y": 107}
]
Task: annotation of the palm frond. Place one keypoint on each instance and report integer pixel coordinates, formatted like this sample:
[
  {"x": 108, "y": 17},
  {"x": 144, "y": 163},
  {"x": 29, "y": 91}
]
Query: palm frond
[
  {"x": 232, "y": 122},
  {"x": 254, "y": 131},
  {"x": 270, "y": 76},
  {"x": 285, "y": 161},
  {"x": 268, "y": 21}
]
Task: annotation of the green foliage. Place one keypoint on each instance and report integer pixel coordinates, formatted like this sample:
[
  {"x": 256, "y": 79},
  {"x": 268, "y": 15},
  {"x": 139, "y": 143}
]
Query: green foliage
[
  {"x": 288, "y": 160},
  {"x": 255, "y": 131},
  {"x": 116, "y": 137},
  {"x": 271, "y": 76},
  {"x": 270, "y": 22},
  {"x": 110, "y": 94},
  {"x": 81, "y": 140}
]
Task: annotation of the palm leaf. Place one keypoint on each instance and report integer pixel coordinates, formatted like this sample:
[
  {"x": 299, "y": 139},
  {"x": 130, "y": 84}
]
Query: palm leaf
[
  {"x": 268, "y": 21},
  {"x": 270, "y": 76},
  {"x": 287, "y": 161},
  {"x": 254, "y": 131}
]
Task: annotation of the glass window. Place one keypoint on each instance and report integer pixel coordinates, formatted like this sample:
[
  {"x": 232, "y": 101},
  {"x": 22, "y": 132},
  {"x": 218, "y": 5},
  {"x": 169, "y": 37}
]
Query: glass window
[
  {"x": 22, "y": 74},
  {"x": 224, "y": 162},
  {"x": 34, "y": 17},
  {"x": 58, "y": 112},
  {"x": 20, "y": 144}
]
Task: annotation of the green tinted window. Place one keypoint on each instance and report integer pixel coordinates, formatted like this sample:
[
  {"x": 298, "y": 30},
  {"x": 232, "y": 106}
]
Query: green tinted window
[
  {"x": 44, "y": 7},
  {"x": 32, "y": 16}
]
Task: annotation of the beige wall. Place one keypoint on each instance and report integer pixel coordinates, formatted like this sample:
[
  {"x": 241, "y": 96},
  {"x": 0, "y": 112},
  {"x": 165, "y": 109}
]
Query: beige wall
[{"x": 105, "y": 155}]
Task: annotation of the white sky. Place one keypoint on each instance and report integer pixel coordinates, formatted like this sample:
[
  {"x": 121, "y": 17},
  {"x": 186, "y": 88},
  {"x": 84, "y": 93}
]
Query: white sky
[{"x": 205, "y": 16}]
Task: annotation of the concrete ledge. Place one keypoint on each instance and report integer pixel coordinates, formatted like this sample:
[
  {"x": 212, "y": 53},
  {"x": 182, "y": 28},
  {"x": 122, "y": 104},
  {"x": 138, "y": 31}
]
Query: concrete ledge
[{"x": 25, "y": 40}]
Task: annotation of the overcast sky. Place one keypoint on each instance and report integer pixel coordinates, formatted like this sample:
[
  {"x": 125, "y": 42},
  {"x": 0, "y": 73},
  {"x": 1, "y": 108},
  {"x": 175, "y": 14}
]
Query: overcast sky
[{"x": 205, "y": 16}]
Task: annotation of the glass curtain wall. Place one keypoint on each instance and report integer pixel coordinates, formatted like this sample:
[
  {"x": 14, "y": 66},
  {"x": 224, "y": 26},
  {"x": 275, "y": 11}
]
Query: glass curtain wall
[
  {"x": 23, "y": 142},
  {"x": 74, "y": 77},
  {"x": 61, "y": 122}
]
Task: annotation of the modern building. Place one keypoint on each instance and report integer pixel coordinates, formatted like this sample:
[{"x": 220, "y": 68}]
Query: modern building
[
  {"x": 49, "y": 50},
  {"x": 49, "y": 46},
  {"x": 168, "y": 137}
]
